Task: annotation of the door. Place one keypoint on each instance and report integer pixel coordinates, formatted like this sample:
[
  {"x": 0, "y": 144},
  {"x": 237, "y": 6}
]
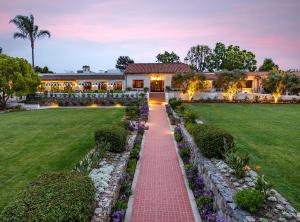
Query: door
[{"x": 157, "y": 85}]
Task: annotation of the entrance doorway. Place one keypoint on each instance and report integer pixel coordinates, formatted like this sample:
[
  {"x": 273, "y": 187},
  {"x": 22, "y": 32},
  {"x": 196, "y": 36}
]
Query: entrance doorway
[{"x": 157, "y": 85}]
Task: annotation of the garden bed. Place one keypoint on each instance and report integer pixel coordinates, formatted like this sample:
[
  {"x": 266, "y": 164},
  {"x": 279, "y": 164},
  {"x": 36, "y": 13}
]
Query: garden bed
[{"x": 219, "y": 178}]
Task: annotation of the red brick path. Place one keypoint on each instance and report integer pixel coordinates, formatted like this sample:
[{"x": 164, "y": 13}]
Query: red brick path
[{"x": 160, "y": 193}]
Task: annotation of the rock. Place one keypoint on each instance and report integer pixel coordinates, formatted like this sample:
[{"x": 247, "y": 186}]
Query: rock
[
  {"x": 282, "y": 219},
  {"x": 227, "y": 175},
  {"x": 272, "y": 199},
  {"x": 241, "y": 181},
  {"x": 263, "y": 220},
  {"x": 251, "y": 184},
  {"x": 287, "y": 215},
  {"x": 279, "y": 207},
  {"x": 236, "y": 184},
  {"x": 250, "y": 219},
  {"x": 231, "y": 171},
  {"x": 248, "y": 179}
]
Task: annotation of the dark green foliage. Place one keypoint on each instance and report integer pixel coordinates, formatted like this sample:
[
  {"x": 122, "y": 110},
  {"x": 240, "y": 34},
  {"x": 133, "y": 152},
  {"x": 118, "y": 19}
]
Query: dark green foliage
[
  {"x": 204, "y": 201},
  {"x": 126, "y": 188},
  {"x": 237, "y": 163},
  {"x": 184, "y": 154},
  {"x": 120, "y": 205},
  {"x": 167, "y": 57},
  {"x": 135, "y": 152},
  {"x": 174, "y": 102},
  {"x": 268, "y": 65},
  {"x": 113, "y": 135},
  {"x": 262, "y": 185},
  {"x": 249, "y": 199},
  {"x": 212, "y": 142},
  {"x": 178, "y": 137},
  {"x": 59, "y": 196},
  {"x": 131, "y": 167},
  {"x": 122, "y": 62},
  {"x": 132, "y": 112},
  {"x": 190, "y": 117}
]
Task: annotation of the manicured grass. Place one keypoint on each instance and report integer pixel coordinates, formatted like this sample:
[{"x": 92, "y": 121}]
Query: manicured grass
[
  {"x": 270, "y": 133},
  {"x": 46, "y": 140}
]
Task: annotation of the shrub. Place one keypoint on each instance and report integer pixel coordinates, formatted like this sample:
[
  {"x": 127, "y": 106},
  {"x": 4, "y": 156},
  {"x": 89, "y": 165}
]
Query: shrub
[
  {"x": 212, "y": 142},
  {"x": 249, "y": 199},
  {"x": 59, "y": 196},
  {"x": 184, "y": 154},
  {"x": 132, "y": 112},
  {"x": 131, "y": 167},
  {"x": 178, "y": 134},
  {"x": 262, "y": 185},
  {"x": 174, "y": 102},
  {"x": 237, "y": 163},
  {"x": 114, "y": 136},
  {"x": 190, "y": 117}
]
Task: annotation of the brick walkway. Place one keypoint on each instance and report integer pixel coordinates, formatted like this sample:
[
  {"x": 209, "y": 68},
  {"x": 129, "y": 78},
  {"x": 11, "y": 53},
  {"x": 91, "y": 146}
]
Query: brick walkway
[{"x": 160, "y": 193}]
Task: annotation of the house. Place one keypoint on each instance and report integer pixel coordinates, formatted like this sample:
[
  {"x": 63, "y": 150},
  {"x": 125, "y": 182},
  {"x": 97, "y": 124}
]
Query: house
[{"x": 137, "y": 76}]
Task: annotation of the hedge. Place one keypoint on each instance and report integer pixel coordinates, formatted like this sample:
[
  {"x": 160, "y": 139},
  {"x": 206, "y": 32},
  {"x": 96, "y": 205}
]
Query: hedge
[
  {"x": 57, "y": 196},
  {"x": 114, "y": 135},
  {"x": 213, "y": 142}
]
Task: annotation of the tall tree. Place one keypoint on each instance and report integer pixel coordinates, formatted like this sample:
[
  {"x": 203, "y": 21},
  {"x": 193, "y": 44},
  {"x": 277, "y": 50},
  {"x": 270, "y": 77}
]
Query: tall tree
[
  {"x": 167, "y": 57},
  {"x": 268, "y": 65},
  {"x": 0, "y": 50},
  {"x": 122, "y": 62},
  {"x": 28, "y": 30},
  {"x": 230, "y": 58},
  {"x": 231, "y": 82},
  {"x": 16, "y": 78},
  {"x": 197, "y": 57}
]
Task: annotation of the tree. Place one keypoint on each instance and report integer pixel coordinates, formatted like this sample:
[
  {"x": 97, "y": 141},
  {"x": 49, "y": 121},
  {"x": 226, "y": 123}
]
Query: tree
[
  {"x": 38, "y": 69},
  {"x": 231, "y": 82},
  {"x": 197, "y": 57},
  {"x": 0, "y": 50},
  {"x": 189, "y": 83},
  {"x": 230, "y": 58},
  {"x": 16, "y": 78},
  {"x": 278, "y": 82},
  {"x": 268, "y": 65},
  {"x": 28, "y": 30},
  {"x": 167, "y": 57},
  {"x": 122, "y": 62}
]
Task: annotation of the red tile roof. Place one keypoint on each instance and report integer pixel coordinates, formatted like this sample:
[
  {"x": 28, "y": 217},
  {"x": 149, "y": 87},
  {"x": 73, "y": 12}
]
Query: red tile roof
[{"x": 143, "y": 68}]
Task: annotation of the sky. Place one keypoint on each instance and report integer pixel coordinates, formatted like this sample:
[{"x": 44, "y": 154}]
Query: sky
[{"x": 96, "y": 32}]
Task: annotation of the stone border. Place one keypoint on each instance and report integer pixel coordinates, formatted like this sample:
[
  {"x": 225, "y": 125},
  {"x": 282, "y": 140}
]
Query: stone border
[
  {"x": 107, "y": 179},
  {"x": 223, "y": 193},
  {"x": 129, "y": 209}
]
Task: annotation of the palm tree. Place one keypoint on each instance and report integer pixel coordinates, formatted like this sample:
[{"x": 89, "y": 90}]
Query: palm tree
[{"x": 28, "y": 30}]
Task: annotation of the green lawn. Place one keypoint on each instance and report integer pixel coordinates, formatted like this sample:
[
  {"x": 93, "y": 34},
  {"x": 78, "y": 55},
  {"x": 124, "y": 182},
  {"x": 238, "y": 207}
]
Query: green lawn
[
  {"x": 46, "y": 140},
  {"x": 269, "y": 133}
]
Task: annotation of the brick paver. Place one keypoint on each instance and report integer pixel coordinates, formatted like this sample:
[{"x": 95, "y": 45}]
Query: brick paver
[{"x": 160, "y": 193}]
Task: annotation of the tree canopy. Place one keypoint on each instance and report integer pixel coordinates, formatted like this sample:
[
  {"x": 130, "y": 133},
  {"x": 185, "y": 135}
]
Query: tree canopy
[
  {"x": 28, "y": 30},
  {"x": 190, "y": 83},
  {"x": 279, "y": 81},
  {"x": 268, "y": 65},
  {"x": 38, "y": 69},
  {"x": 167, "y": 57},
  {"x": 16, "y": 78},
  {"x": 197, "y": 57},
  {"x": 231, "y": 82},
  {"x": 122, "y": 62}
]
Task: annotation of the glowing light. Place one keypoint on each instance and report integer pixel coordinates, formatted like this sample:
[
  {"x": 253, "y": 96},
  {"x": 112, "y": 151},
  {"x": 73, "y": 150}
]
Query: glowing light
[
  {"x": 54, "y": 105},
  {"x": 276, "y": 96},
  {"x": 93, "y": 105},
  {"x": 118, "y": 105}
]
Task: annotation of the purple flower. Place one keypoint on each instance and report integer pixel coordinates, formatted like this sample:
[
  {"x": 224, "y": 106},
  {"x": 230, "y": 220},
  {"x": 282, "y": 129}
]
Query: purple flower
[
  {"x": 208, "y": 194},
  {"x": 141, "y": 128},
  {"x": 177, "y": 129},
  {"x": 118, "y": 216},
  {"x": 180, "y": 145}
]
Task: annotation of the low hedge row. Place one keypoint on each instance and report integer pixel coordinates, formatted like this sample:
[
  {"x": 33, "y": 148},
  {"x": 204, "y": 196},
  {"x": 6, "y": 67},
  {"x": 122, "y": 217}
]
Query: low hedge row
[
  {"x": 213, "y": 142},
  {"x": 114, "y": 136},
  {"x": 58, "y": 196}
]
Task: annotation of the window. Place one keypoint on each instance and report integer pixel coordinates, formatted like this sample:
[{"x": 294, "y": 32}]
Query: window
[
  {"x": 248, "y": 84},
  {"x": 137, "y": 83}
]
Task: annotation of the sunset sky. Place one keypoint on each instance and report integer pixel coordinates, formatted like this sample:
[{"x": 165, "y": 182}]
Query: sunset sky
[{"x": 96, "y": 32}]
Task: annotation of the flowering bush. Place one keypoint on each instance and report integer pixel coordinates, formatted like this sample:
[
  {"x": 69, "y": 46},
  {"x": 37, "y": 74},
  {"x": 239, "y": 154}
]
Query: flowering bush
[
  {"x": 178, "y": 134},
  {"x": 118, "y": 216},
  {"x": 144, "y": 111}
]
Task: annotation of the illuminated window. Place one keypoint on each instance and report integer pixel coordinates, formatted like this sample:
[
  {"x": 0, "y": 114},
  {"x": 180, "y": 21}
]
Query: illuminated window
[{"x": 137, "y": 83}]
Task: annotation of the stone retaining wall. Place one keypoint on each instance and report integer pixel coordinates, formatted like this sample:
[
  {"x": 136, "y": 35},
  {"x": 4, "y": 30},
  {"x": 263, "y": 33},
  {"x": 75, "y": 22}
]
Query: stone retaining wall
[{"x": 218, "y": 178}]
